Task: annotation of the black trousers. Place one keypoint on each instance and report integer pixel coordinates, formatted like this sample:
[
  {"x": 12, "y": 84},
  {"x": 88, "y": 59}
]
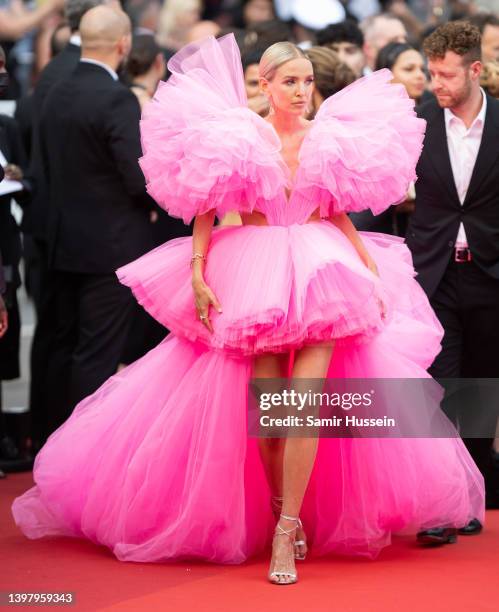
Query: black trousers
[
  {"x": 93, "y": 318},
  {"x": 42, "y": 421},
  {"x": 467, "y": 304}
]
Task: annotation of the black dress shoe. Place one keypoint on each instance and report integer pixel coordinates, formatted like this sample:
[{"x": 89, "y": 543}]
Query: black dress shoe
[
  {"x": 437, "y": 536},
  {"x": 474, "y": 527},
  {"x": 2, "y": 474}
]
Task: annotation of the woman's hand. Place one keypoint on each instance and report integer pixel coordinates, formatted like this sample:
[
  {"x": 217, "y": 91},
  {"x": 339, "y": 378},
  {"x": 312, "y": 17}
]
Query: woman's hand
[
  {"x": 203, "y": 299},
  {"x": 203, "y": 295},
  {"x": 344, "y": 223},
  {"x": 371, "y": 265}
]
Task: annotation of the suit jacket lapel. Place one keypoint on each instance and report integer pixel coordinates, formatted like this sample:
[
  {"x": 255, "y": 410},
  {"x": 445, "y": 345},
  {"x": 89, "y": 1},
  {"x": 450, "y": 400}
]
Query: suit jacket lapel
[
  {"x": 488, "y": 151},
  {"x": 436, "y": 148}
]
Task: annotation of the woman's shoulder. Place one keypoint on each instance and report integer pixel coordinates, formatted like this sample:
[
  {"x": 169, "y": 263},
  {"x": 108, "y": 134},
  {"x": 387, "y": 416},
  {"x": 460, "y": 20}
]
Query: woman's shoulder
[{"x": 203, "y": 148}]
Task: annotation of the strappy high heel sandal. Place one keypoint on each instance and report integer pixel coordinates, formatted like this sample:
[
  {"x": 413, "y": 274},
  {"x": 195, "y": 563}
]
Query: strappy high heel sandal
[
  {"x": 290, "y": 577},
  {"x": 300, "y": 545}
]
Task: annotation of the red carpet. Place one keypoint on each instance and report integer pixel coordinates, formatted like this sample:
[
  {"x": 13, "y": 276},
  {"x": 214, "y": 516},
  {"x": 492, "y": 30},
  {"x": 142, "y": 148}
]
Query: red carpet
[{"x": 459, "y": 577}]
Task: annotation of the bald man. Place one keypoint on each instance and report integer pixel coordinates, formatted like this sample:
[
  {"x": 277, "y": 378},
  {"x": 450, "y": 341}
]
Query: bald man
[
  {"x": 378, "y": 31},
  {"x": 34, "y": 225},
  {"x": 98, "y": 218},
  {"x": 60, "y": 67}
]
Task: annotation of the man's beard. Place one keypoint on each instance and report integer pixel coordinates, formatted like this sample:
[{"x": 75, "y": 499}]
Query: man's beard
[{"x": 456, "y": 99}]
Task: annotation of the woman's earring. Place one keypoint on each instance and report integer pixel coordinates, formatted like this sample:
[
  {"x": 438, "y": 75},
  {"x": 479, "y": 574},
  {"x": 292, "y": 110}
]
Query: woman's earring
[{"x": 271, "y": 105}]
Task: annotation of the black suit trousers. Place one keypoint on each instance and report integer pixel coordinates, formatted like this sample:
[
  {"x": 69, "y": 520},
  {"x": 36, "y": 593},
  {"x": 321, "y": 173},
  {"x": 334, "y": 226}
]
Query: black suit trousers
[
  {"x": 43, "y": 419},
  {"x": 93, "y": 318},
  {"x": 467, "y": 304}
]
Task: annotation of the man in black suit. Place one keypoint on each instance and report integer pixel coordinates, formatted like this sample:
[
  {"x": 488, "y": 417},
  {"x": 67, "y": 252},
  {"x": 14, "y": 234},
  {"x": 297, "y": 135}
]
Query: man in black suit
[
  {"x": 453, "y": 233},
  {"x": 99, "y": 209},
  {"x": 60, "y": 67},
  {"x": 34, "y": 225}
]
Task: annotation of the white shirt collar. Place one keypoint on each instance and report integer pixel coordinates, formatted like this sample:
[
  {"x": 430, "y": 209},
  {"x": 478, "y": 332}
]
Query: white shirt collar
[
  {"x": 75, "y": 39},
  {"x": 449, "y": 115},
  {"x": 102, "y": 65}
]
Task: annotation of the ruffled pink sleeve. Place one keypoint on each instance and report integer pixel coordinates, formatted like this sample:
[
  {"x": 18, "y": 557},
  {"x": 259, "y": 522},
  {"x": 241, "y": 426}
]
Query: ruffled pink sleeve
[
  {"x": 362, "y": 149},
  {"x": 202, "y": 147}
]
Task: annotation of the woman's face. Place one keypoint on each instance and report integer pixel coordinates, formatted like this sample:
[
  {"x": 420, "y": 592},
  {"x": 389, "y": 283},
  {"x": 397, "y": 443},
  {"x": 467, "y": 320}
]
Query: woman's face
[
  {"x": 252, "y": 81},
  {"x": 291, "y": 88},
  {"x": 409, "y": 71}
]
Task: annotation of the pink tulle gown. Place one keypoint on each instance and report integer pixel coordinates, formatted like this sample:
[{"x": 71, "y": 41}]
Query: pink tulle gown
[{"x": 157, "y": 464}]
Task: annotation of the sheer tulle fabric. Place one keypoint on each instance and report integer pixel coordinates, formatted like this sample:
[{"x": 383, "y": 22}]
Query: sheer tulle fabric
[
  {"x": 202, "y": 147},
  {"x": 362, "y": 148},
  {"x": 360, "y": 152},
  {"x": 153, "y": 464},
  {"x": 157, "y": 463},
  {"x": 280, "y": 287}
]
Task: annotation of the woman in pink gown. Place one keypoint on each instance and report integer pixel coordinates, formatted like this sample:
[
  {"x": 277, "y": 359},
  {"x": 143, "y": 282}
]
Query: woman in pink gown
[{"x": 157, "y": 463}]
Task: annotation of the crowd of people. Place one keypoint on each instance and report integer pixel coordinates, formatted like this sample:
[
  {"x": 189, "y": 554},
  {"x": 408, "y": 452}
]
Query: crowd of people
[{"x": 82, "y": 71}]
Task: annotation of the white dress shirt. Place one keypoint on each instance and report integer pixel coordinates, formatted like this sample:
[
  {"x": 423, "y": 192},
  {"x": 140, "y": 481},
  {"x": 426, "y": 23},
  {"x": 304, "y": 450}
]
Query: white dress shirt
[
  {"x": 464, "y": 144},
  {"x": 102, "y": 65}
]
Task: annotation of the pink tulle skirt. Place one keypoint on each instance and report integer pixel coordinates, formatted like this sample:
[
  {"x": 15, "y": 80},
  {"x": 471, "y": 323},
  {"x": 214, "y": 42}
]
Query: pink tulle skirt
[
  {"x": 157, "y": 463},
  {"x": 281, "y": 287}
]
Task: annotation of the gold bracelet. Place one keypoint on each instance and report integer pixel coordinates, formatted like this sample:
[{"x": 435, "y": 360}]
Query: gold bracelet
[{"x": 197, "y": 256}]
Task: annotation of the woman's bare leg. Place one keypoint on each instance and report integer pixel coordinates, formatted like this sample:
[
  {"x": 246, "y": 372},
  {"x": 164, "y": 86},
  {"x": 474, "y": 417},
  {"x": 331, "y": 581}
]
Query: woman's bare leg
[
  {"x": 299, "y": 455},
  {"x": 272, "y": 449}
]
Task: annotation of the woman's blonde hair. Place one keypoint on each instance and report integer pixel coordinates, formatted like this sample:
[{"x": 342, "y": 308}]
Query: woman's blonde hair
[
  {"x": 277, "y": 55},
  {"x": 489, "y": 79}
]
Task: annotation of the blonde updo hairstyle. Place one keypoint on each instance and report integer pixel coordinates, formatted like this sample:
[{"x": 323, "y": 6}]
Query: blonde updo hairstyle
[{"x": 277, "y": 55}]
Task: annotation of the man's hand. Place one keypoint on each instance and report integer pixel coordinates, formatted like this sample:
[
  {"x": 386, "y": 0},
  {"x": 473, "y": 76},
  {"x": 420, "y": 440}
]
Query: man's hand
[{"x": 13, "y": 172}]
